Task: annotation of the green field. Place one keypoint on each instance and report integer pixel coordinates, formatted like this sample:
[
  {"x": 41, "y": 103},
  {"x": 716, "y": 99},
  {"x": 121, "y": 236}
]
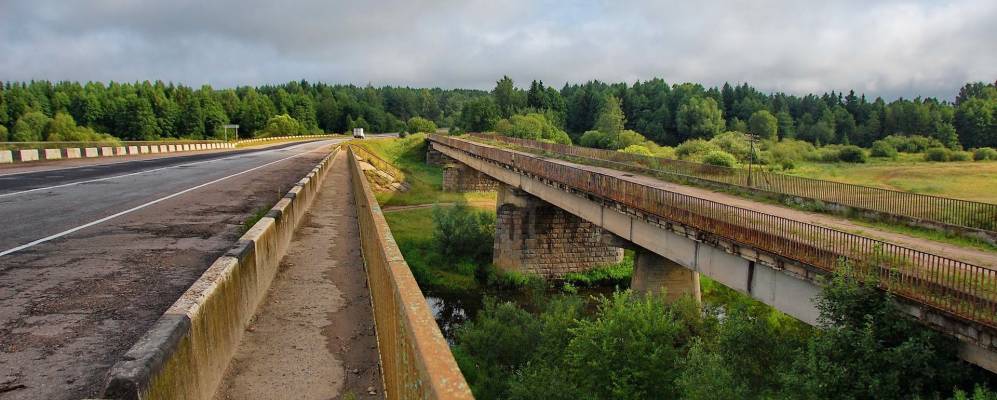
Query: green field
[{"x": 968, "y": 180}]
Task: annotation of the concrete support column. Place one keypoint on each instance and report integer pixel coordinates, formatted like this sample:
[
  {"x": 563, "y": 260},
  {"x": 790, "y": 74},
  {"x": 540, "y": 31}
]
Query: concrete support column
[
  {"x": 656, "y": 274},
  {"x": 533, "y": 236}
]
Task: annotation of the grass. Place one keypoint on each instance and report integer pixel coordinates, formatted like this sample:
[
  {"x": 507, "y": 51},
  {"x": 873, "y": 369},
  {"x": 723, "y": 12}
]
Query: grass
[
  {"x": 967, "y": 180},
  {"x": 253, "y": 219},
  {"x": 412, "y": 230},
  {"x": 425, "y": 181},
  {"x": 609, "y": 275}
]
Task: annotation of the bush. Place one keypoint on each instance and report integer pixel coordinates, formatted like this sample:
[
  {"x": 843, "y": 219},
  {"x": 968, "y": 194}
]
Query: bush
[
  {"x": 3, "y": 133},
  {"x": 937, "y": 154},
  {"x": 403, "y": 134},
  {"x": 695, "y": 149},
  {"x": 532, "y": 126},
  {"x": 852, "y": 154},
  {"x": 720, "y": 158},
  {"x": 595, "y": 139},
  {"x": 735, "y": 143},
  {"x": 461, "y": 232},
  {"x": 790, "y": 150},
  {"x": 985, "y": 153},
  {"x": 881, "y": 148},
  {"x": 281, "y": 125},
  {"x": 958, "y": 155},
  {"x": 637, "y": 149},
  {"x": 420, "y": 125},
  {"x": 912, "y": 144}
]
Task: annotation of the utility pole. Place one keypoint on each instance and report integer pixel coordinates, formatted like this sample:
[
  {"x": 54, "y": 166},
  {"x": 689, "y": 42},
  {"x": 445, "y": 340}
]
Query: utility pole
[{"x": 751, "y": 159}]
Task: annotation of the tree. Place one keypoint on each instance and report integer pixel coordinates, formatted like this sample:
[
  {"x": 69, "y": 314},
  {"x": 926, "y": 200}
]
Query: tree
[
  {"x": 479, "y": 115},
  {"x": 976, "y": 122},
  {"x": 763, "y": 124},
  {"x": 3, "y": 133},
  {"x": 281, "y": 125},
  {"x": 699, "y": 118},
  {"x": 419, "y": 124},
  {"x": 611, "y": 118},
  {"x": 30, "y": 127},
  {"x": 532, "y": 126},
  {"x": 506, "y": 97}
]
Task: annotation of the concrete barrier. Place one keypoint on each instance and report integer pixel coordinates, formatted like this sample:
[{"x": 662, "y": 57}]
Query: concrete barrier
[
  {"x": 143, "y": 149},
  {"x": 91, "y": 152},
  {"x": 6, "y": 157},
  {"x": 27, "y": 155},
  {"x": 185, "y": 354},
  {"x": 73, "y": 153},
  {"x": 53, "y": 154},
  {"x": 121, "y": 151},
  {"x": 132, "y": 150},
  {"x": 416, "y": 361}
]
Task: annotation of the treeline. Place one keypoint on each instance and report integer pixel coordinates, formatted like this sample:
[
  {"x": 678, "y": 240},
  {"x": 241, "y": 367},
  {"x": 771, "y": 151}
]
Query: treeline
[
  {"x": 158, "y": 110},
  {"x": 672, "y": 114},
  {"x": 666, "y": 114}
]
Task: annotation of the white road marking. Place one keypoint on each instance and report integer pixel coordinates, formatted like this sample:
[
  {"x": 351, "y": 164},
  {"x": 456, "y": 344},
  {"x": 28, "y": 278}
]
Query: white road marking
[
  {"x": 139, "y": 207},
  {"x": 148, "y": 170}
]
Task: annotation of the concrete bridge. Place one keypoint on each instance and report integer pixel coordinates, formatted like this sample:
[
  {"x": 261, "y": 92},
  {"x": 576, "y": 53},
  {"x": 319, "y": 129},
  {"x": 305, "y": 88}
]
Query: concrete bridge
[{"x": 556, "y": 217}]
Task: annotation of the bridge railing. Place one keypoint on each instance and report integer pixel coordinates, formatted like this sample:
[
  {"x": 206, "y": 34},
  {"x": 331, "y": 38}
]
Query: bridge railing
[
  {"x": 958, "y": 288},
  {"x": 940, "y": 210}
]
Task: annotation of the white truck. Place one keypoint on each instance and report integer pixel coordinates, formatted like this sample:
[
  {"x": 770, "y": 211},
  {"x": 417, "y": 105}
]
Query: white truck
[{"x": 358, "y": 133}]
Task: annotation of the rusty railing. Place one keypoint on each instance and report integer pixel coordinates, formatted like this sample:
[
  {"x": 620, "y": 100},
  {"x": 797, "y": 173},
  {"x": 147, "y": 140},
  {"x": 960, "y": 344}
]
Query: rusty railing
[
  {"x": 958, "y": 288},
  {"x": 940, "y": 210}
]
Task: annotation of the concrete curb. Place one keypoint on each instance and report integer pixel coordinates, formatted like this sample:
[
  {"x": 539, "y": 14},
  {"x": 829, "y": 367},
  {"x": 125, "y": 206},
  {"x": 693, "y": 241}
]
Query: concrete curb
[
  {"x": 29, "y": 155},
  {"x": 416, "y": 361},
  {"x": 299, "y": 137},
  {"x": 186, "y": 352}
]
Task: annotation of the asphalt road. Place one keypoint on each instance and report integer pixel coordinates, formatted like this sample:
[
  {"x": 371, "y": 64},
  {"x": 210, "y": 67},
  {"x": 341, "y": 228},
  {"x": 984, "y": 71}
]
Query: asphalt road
[{"x": 91, "y": 256}]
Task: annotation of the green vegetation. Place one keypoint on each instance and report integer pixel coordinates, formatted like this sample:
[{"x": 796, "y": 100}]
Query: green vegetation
[
  {"x": 281, "y": 125},
  {"x": 420, "y": 125},
  {"x": 636, "y": 347},
  {"x": 253, "y": 219},
  {"x": 532, "y": 126}
]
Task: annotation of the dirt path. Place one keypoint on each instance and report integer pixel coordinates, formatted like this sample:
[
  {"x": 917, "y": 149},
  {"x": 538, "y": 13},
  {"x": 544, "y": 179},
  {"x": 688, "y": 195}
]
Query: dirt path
[{"x": 314, "y": 336}]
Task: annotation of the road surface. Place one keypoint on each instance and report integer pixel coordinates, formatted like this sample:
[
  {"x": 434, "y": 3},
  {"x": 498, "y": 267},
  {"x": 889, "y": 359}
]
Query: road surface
[{"x": 91, "y": 256}]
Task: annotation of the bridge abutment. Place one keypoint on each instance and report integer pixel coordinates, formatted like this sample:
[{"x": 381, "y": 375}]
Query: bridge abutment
[
  {"x": 654, "y": 274},
  {"x": 533, "y": 236}
]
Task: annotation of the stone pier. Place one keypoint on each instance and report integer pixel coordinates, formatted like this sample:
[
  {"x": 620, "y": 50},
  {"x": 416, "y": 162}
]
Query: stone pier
[
  {"x": 656, "y": 274},
  {"x": 533, "y": 236},
  {"x": 458, "y": 177}
]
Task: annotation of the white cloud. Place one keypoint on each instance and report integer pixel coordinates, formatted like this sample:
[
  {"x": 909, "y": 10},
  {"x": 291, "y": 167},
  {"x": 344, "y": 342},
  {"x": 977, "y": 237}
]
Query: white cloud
[{"x": 892, "y": 48}]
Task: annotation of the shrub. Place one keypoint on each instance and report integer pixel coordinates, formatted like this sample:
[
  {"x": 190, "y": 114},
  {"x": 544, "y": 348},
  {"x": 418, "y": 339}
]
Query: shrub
[
  {"x": 791, "y": 150},
  {"x": 281, "y": 125},
  {"x": 462, "y": 232},
  {"x": 735, "y": 143},
  {"x": 958, "y": 155},
  {"x": 420, "y": 125},
  {"x": 595, "y": 139},
  {"x": 637, "y": 149},
  {"x": 852, "y": 154},
  {"x": 695, "y": 149},
  {"x": 532, "y": 126},
  {"x": 881, "y": 148},
  {"x": 720, "y": 158},
  {"x": 3, "y": 133},
  {"x": 913, "y": 143},
  {"x": 937, "y": 154},
  {"x": 985, "y": 153},
  {"x": 402, "y": 134}
]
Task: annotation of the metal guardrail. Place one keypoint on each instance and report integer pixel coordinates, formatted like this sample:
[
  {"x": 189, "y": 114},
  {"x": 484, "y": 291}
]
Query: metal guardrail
[
  {"x": 378, "y": 162},
  {"x": 941, "y": 210},
  {"x": 958, "y": 288}
]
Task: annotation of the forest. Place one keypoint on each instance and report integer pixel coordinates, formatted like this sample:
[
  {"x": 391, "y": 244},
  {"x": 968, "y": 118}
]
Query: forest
[{"x": 663, "y": 113}]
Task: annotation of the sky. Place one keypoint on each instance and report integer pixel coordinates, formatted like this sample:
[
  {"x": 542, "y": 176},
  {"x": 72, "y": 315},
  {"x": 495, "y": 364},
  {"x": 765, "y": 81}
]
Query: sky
[{"x": 881, "y": 48}]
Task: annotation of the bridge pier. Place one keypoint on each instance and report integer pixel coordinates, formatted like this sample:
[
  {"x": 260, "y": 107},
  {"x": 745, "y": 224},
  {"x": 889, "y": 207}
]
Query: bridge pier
[
  {"x": 655, "y": 274},
  {"x": 458, "y": 177},
  {"x": 533, "y": 236}
]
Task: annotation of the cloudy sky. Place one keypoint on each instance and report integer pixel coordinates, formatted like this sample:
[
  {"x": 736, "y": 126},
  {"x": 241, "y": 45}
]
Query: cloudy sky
[{"x": 887, "y": 48}]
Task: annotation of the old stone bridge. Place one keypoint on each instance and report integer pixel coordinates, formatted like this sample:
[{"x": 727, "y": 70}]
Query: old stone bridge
[{"x": 557, "y": 216}]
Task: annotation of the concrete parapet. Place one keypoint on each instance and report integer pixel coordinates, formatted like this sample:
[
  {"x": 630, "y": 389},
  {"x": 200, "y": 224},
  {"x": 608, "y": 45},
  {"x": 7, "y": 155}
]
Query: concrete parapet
[
  {"x": 416, "y": 361},
  {"x": 90, "y": 152},
  {"x": 27, "y": 155},
  {"x": 74, "y": 153},
  {"x": 107, "y": 151},
  {"x": 171, "y": 148},
  {"x": 186, "y": 352},
  {"x": 52, "y": 154},
  {"x": 132, "y": 150},
  {"x": 121, "y": 151},
  {"x": 6, "y": 157}
]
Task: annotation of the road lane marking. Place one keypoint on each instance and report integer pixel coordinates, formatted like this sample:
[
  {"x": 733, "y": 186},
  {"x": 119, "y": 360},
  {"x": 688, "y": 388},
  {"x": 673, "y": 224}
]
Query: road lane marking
[
  {"x": 150, "y": 170},
  {"x": 139, "y": 207}
]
